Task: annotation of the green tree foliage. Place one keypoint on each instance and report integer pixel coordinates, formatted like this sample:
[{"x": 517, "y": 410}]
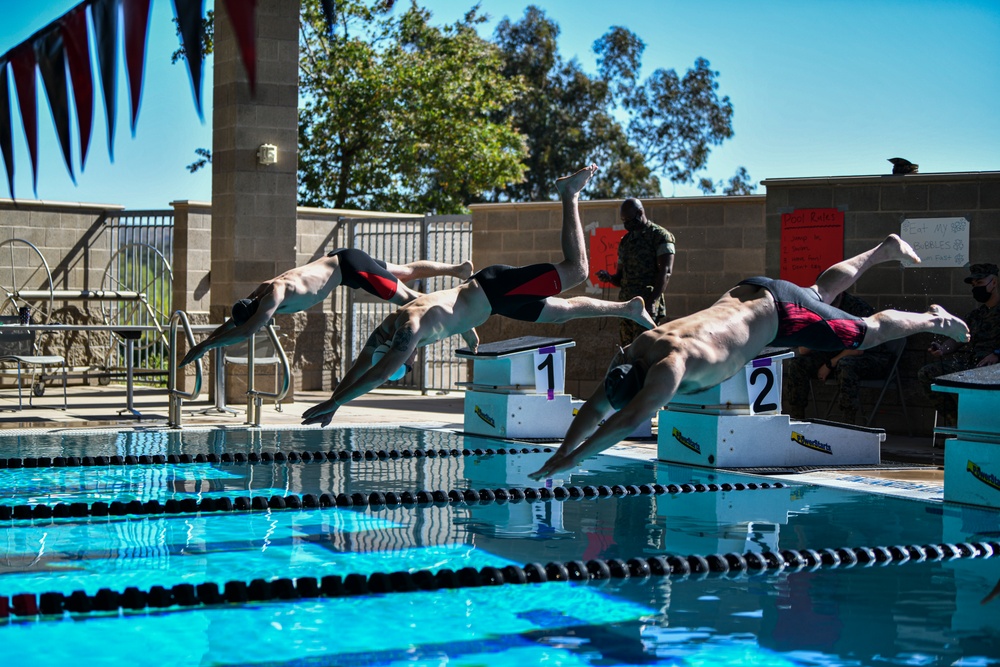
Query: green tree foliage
[
  {"x": 398, "y": 114},
  {"x": 570, "y": 118}
]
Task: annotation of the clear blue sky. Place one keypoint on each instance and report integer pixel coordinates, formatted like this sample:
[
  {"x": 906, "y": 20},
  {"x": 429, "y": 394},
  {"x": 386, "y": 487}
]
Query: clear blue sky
[{"x": 820, "y": 88}]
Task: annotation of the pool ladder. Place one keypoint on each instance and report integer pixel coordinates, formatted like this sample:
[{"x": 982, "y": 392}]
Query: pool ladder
[{"x": 255, "y": 397}]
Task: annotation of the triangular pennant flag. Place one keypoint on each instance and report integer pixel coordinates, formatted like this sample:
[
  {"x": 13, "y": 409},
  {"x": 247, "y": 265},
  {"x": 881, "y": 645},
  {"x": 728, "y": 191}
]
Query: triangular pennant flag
[
  {"x": 135, "y": 27},
  {"x": 74, "y": 32},
  {"x": 104, "y": 14},
  {"x": 6, "y": 135},
  {"x": 22, "y": 63},
  {"x": 329, "y": 13},
  {"x": 51, "y": 58},
  {"x": 189, "y": 20},
  {"x": 242, "y": 16}
]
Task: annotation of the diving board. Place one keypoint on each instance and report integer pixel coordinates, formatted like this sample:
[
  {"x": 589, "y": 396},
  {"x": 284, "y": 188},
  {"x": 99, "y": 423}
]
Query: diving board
[
  {"x": 972, "y": 456},
  {"x": 738, "y": 424}
]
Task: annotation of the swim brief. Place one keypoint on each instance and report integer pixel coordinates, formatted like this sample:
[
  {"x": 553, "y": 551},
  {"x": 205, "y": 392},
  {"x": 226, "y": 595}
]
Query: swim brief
[
  {"x": 359, "y": 270},
  {"x": 804, "y": 320},
  {"x": 519, "y": 292}
]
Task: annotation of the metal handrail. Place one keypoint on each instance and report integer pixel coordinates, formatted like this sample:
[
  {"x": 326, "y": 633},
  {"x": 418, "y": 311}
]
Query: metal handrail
[
  {"x": 174, "y": 395},
  {"x": 255, "y": 398}
]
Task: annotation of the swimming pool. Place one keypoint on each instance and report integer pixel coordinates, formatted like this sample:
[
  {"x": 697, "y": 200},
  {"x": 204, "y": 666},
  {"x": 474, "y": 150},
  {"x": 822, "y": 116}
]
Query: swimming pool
[{"x": 312, "y": 550}]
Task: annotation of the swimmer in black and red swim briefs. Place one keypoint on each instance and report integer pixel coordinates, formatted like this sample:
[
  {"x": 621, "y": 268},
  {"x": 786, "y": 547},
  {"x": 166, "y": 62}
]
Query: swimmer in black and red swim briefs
[
  {"x": 699, "y": 351},
  {"x": 524, "y": 293},
  {"x": 305, "y": 286}
]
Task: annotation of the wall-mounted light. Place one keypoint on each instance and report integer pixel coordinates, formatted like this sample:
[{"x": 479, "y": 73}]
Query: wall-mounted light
[{"x": 267, "y": 154}]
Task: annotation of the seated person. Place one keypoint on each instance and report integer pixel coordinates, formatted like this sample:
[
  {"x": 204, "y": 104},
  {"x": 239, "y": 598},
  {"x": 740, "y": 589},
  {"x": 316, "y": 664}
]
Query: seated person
[
  {"x": 304, "y": 286},
  {"x": 983, "y": 348},
  {"x": 699, "y": 351},
  {"x": 848, "y": 367}
]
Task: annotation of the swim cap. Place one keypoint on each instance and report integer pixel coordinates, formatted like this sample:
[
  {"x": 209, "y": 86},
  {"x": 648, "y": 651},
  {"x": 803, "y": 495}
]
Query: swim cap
[
  {"x": 243, "y": 310},
  {"x": 622, "y": 383},
  {"x": 380, "y": 352}
]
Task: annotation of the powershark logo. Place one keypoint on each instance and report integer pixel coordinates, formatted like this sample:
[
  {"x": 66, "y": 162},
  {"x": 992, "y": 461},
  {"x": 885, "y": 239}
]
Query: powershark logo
[
  {"x": 485, "y": 417},
  {"x": 686, "y": 441},
  {"x": 815, "y": 445},
  {"x": 987, "y": 478}
]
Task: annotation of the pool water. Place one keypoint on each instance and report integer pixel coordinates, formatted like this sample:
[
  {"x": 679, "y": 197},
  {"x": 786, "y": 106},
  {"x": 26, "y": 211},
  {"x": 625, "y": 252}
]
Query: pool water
[{"x": 944, "y": 612}]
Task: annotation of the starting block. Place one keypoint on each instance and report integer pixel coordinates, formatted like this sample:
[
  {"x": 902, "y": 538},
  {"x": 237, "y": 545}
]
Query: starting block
[
  {"x": 518, "y": 388},
  {"x": 972, "y": 457},
  {"x": 738, "y": 424}
]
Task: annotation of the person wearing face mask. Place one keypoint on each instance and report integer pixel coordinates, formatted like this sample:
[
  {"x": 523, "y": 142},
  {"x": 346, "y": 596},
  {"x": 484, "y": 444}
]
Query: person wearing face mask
[
  {"x": 983, "y": 348},
  {"x": 645, "y": 262}
]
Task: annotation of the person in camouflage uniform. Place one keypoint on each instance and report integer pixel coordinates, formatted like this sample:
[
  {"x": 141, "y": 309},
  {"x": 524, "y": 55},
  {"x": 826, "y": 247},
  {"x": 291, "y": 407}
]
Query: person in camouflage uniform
[
  {"x": 849, "y": 367},
  {"x": 645, "y": 262},
  {"x": 983, "y": 349}
]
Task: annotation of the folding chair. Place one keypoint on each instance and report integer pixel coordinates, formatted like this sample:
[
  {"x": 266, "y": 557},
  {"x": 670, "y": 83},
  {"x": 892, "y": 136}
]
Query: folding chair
[
  {"x": 896, "y": 349},
  {"x": 18, "y": 346}
]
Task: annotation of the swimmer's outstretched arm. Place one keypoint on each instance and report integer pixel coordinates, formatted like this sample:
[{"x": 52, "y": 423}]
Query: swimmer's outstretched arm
[
  {"x": 594, "y": 437},
  {"x": 402, "y": 348},
  {"x": 228, "y": 333}
]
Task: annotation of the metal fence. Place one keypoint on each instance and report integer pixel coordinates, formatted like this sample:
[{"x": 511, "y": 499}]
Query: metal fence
[
  {"x": 140, "y": 245},
  {"x": 442, "y": 238}
]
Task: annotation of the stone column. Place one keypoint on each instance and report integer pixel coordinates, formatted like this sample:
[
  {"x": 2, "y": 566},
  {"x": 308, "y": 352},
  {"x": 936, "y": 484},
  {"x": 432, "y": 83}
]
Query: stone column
[{"x": 253, "y": 205}]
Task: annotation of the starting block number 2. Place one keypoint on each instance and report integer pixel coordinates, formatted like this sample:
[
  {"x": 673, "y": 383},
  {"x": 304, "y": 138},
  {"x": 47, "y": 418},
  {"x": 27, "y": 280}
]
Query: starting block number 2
[{"x": 763, "y": 386}]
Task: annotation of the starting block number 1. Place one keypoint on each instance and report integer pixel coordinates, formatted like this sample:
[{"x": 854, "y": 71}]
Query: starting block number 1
[
  {"x": 763, "y": 386},
  {"x": 548, "y": 366}
]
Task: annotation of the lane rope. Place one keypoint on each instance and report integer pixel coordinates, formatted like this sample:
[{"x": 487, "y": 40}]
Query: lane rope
[
  {"x": 255, "y": 458},
  {"x": 27, "y": 606},
  {"x": 360, "y": 501}
]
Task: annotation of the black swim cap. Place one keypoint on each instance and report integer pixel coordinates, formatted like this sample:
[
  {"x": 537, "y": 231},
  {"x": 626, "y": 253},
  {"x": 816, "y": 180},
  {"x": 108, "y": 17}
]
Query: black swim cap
[
  {"x": 622, "y": 383},
  {"x": 243, "y": 310}
]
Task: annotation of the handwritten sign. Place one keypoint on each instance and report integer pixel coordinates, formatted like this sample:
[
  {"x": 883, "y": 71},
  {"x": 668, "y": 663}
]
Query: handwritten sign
[
  {"x": 938, "y": 241},
  {"x": 604, "y": 252},
  {"x": 812, "y": 240}
]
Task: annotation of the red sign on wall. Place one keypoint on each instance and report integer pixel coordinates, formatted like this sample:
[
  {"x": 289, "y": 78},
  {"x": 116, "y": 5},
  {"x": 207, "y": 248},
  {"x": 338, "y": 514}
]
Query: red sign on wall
[
  {"x": 604, "y": 253},
  {"x": 812, "y": 240}
]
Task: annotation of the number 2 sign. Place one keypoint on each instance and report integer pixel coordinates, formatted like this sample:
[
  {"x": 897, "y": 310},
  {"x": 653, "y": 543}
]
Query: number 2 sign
[{"x": 763, "y": 386}]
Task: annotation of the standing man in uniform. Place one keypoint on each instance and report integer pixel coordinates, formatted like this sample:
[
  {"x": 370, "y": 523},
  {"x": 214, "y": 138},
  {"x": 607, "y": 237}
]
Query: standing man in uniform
[
  {"x": 645, "y": 262},
  {"x": 983, "y": 349}
]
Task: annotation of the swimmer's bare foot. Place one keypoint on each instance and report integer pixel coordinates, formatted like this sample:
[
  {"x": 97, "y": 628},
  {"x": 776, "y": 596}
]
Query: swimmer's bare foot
[
  {"x": 636, "y": 310},
  {"x": 465, "y": 270},
  {"x": 949, "y": 325},
  {"x": 573, "y": 184},
  {"x": 896, "y": 248}
]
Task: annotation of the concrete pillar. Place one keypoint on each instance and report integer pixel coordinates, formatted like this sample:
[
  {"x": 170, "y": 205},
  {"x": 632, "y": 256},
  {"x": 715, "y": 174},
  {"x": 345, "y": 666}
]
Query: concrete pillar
[{"x": 253, "y": 205}]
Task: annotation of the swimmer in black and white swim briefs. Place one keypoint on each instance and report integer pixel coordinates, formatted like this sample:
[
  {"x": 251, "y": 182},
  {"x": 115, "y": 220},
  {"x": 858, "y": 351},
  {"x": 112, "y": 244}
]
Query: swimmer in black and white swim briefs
[
  {"x": 805, "y": 320},
  {"x": 519, "y": 292}
]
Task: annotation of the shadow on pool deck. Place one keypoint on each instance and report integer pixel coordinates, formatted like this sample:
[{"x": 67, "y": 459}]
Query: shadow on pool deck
[{"x": 98, "y": 407}]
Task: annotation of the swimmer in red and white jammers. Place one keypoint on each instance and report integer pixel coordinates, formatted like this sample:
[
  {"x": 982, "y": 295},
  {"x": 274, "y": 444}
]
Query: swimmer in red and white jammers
[
  {"x": 701, "y": 350},
  {"x": 304, "y": 286}
]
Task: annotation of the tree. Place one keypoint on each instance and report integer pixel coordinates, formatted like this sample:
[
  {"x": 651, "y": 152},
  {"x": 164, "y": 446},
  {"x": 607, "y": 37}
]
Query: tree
[
  {"x": 565, "y": 115},
  {"x": 570, "y": 118},
  {"x": 399, "y": 114}
]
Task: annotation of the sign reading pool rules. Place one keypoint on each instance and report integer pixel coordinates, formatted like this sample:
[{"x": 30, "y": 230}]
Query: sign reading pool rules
[
  {"x": 549, "y": 369},
  {"x": 812, "y": 239},
  {"x": 764, "y": 385},
  {"x": 940, "y": 242}
]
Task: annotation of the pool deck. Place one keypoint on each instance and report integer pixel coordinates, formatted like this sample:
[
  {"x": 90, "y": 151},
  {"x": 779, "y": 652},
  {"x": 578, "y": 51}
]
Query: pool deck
[{"x": 95, "y": 406}]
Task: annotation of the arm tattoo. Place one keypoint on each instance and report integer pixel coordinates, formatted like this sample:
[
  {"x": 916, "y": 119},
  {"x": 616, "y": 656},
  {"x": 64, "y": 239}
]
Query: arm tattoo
[{"x": 401, "y": 341}]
